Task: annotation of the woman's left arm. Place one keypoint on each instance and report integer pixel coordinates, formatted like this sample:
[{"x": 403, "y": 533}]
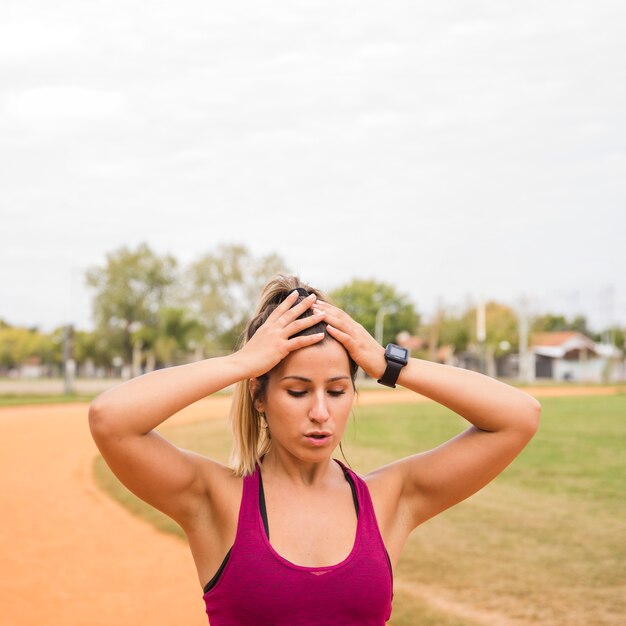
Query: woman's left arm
[{"x": 503, "y": 420}]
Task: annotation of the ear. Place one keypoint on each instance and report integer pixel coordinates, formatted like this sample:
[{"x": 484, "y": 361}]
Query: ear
[{"x": 253, "y": 387}]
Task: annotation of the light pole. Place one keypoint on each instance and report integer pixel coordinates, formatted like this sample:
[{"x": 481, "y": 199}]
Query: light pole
[
  {"x": 69, "y": 364},
  {"x": 481, "y": 333},
  {"x": 380, "y": 315},
  {"x": 525, "y": 364},
  {"x": 135, "y": 369}
]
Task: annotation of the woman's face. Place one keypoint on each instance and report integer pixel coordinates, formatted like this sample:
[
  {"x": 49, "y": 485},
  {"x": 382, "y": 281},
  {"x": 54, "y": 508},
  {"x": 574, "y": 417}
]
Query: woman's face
[{"x": 308, "y": 400}]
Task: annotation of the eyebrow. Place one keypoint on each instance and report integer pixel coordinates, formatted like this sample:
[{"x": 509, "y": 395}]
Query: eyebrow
[{"x": 308, "y": 380}]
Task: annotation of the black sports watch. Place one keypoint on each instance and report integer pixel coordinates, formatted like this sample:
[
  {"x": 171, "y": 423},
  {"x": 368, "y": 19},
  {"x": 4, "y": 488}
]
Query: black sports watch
[{"x": 397, "y": 357}]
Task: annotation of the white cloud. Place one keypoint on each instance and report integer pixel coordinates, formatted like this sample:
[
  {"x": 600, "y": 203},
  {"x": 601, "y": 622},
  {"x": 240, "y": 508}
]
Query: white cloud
[
  {"x": 461, "y": 133},
  {"x": 63, "y": 103},
  {"x": 29, "y": 39}
]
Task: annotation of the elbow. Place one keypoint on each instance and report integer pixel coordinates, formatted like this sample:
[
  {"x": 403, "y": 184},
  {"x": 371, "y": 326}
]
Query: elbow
[
  {"x": 96, "y": 416},
  {"x": 531, "y": 417},
  {"x": 524, "y": 418}
]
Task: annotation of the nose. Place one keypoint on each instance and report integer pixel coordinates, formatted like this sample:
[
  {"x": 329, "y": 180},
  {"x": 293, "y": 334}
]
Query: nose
[{"x": 319, "y": 410}]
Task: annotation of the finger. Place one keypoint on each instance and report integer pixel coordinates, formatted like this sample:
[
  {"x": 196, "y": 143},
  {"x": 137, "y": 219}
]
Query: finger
[
  {"x": 326, "y": 304},
  {"x": 287, "y": 305},
  {"x": 342, "y": 337},
  {"x": 284, "y": 306},
  {"x": 298, "y": 309},
  {"x": 302, "y": 342},
  {"x": 300, "y": 324},
  {"x": 335, "y": 320},
  {"x": 331, "y": 308}
]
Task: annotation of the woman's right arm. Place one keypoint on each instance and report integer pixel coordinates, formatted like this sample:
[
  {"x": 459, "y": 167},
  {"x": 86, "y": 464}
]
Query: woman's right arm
[
  {"x": 141, "y": 404},
  {"x": 122, "y": 420}
]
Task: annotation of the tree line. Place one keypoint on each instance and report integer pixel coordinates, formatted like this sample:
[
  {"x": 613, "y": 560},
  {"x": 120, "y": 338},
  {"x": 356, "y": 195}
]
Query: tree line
[{"x": 150, "y": 311}]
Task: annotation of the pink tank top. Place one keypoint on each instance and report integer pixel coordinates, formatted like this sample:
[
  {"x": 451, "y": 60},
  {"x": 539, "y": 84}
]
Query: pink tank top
[{"x": 258, "y": 587}]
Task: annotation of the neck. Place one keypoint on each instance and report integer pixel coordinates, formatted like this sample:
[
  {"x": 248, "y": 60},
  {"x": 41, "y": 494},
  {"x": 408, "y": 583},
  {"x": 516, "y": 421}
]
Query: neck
[{"x": 283, "y": 465}]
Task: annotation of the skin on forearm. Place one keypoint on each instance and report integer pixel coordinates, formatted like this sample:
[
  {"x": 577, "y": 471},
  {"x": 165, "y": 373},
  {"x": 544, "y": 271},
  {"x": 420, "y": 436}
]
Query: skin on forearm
[
  {"x": 141, "y": 404},
  {"x": 485, "y": 402}
]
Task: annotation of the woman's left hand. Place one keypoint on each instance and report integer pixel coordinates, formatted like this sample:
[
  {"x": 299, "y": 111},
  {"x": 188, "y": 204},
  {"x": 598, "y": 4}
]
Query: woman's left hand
[{"x": 362, "y": 347}]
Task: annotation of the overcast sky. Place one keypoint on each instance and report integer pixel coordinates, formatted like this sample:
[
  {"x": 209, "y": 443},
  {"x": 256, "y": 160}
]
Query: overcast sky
[{"x": 459, "y": 150}]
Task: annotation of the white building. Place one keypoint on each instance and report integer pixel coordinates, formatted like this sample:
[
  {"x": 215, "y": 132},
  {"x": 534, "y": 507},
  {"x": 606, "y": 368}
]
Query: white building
[{"x": 570, "y": 355}]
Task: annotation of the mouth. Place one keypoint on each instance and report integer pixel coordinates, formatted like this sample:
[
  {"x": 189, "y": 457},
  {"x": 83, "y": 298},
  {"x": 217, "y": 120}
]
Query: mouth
[{"x": 318, "y": 438}]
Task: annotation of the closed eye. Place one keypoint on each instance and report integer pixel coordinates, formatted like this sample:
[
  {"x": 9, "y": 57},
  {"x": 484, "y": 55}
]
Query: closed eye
[{"x": 299, "y": 394}]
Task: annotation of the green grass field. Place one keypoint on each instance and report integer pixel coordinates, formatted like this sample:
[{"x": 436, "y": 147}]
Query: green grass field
[{"x": 544, "y": 544}]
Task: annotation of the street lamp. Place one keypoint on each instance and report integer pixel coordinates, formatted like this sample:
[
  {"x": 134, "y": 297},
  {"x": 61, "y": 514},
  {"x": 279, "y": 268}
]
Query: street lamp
[
  {"x": 380, "y": 315},
  {"x": 69, "y": 364}
]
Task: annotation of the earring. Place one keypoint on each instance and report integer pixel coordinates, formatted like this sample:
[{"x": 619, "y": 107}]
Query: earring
[{"x": 264, "y": 424}]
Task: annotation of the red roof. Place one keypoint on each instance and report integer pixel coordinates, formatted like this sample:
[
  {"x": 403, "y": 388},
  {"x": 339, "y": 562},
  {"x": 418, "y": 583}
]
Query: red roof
[{"x": 554, "y": 338}]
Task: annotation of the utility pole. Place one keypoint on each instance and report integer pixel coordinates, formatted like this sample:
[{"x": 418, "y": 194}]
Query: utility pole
[
  {"x": 69, "y": 364},
  {"x": 481, "y": 333},
  {"x": 524, "y": 354},
  {"x": 610, "y": 301},
  {"x": 378, "y": 326},
  {"x": 433, "y": 339}
]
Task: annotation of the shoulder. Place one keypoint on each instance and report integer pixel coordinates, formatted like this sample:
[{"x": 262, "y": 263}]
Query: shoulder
[
  {"x": 386, "y": 487},
  {"x": 385, "y": 484}
]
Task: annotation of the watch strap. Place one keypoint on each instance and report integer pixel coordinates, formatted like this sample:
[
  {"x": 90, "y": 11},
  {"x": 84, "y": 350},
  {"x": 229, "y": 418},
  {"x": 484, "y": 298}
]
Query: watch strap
[{"x": 391, "y": 374}]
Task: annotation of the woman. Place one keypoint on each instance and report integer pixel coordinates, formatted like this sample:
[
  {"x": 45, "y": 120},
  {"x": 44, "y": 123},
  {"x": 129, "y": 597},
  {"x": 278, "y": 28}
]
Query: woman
[{"x": 335, "y": 536}]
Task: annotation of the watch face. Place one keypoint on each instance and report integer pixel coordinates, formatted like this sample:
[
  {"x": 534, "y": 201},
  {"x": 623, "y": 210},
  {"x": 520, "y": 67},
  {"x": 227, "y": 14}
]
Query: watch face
[{"x": 397, "y": 352}]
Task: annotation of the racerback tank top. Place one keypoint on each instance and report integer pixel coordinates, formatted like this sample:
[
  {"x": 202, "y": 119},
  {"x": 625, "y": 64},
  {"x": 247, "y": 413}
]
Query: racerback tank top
[{"x": 258, "y": 587}]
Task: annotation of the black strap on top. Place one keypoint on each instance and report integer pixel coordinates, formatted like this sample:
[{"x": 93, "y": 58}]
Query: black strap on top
[
  {"x": 215, "y": 578},
  {"x": 263, "y": 511},
  {"x": 263, "y": 507}
]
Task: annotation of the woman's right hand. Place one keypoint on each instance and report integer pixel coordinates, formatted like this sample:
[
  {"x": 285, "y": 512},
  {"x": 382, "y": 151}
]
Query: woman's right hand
[{"x": 271, "y": 344}]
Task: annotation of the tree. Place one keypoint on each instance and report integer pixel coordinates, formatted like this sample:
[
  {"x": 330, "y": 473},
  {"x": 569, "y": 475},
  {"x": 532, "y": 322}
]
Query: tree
[
  {"x": 222, "y": 288},
  {"x": 454, "y": 331},
  {"x": 613, "y": 335},
  {"x": 549, "y": 323},
  {"x": 501, "y": 329},
  {"x": 130, "y": 289},
  {"x": 96, "y": 347},
  {"x": 18, "y": 344},
  {"x": 363, "y": 299},
  {"x": 178, "y": 334}
]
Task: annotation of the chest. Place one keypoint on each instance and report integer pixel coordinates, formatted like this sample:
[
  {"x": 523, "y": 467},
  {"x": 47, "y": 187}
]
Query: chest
[
  {"x": 357, "y": 594},
  {"x": 311, "y": 530},
  {"x": 316, "y": 564}
]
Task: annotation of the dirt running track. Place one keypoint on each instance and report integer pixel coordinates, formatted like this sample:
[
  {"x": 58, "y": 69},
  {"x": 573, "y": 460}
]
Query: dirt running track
[{"x": 71, "y": 556}]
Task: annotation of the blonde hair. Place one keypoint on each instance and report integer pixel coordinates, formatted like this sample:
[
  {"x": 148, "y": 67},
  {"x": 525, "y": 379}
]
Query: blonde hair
[{"x": 251, "y": 439}]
